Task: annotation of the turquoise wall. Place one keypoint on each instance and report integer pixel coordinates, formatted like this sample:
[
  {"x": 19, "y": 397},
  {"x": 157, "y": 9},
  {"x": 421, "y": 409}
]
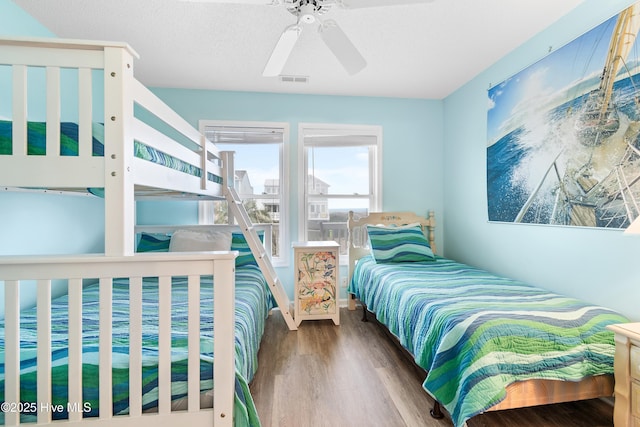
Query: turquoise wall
[
  {"x": 412, "y": 140},
  {"x": 594, "y": 264}
]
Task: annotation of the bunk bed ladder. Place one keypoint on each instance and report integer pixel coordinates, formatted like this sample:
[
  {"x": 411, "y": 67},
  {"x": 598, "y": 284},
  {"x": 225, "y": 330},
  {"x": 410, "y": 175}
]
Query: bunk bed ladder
[{"x": 260, "y": 254}]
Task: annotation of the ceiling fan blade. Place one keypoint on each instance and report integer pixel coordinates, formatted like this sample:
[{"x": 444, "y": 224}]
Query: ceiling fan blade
[
  {"x": 357, "y": 4},
  {"x": 282, "y": 50},
  {"x": 341, "y": 46}
]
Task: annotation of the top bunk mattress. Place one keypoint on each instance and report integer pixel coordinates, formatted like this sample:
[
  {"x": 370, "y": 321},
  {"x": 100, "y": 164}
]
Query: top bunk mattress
[
  {"x": 475, "y": 333},
  {"x": 36, "y": 146}
]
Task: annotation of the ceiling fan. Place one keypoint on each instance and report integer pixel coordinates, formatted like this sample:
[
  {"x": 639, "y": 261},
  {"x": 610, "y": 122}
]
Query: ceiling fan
[{"x": 309, "y": 12}]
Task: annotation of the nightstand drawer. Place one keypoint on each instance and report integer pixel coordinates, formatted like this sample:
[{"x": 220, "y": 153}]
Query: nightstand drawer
[
  {"x": 626, "y": 412},
  {"x": 634, "y": 359}
]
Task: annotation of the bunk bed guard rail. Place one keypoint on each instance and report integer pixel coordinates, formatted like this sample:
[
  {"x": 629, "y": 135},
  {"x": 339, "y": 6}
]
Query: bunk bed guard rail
[{"x": 17, "y": 272}]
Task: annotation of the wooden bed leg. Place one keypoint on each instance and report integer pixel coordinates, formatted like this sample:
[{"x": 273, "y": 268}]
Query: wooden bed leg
[
  {"x": 364, "y": 313},
  {"x": 351, "y": 303},
  {"x": 436, "y": 412}
]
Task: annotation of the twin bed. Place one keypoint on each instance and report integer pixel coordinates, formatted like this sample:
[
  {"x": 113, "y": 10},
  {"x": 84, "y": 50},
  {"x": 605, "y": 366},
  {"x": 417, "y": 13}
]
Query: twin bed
[
  {"x": 485, "y": 342},
  {"x": 132, "y": 341}
]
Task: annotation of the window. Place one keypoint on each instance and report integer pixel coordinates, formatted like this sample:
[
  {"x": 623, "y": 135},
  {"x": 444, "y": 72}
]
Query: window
[
  {"x": 342, "y": 172},
  {"x": 260, "y": 176}
]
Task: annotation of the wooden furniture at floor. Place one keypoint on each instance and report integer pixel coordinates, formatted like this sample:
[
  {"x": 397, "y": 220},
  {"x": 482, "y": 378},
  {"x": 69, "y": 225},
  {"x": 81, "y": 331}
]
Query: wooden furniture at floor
[
  {"x": 627, "y": 372},
  {"x": 316, "y": 291}
]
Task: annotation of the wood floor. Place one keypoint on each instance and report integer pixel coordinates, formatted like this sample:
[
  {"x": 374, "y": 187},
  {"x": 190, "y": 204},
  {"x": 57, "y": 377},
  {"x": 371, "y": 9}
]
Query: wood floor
[{"x": 353, "y": 375}]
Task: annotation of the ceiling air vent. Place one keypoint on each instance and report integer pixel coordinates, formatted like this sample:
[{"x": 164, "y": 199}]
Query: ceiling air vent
[{"x": 294, "y": 79}]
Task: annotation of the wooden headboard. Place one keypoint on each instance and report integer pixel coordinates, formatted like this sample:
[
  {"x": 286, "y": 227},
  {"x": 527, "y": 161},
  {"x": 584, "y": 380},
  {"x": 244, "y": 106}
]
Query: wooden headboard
[
  {"x": 428, "y": 224},
  {"x": 357, "y": 241}
]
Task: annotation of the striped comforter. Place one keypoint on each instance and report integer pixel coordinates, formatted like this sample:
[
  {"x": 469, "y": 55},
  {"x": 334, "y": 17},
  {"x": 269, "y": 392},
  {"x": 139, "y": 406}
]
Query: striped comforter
[
  {"x": 253, "y": 301},
  {"x": 475, "y": 333},
  {"x": 36, "y": 146}
]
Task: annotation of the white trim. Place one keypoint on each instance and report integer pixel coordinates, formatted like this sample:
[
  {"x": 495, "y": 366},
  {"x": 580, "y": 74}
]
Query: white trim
[
  {"x": 206, "y": 213},
  {"x": 57, "y": 192},
  {"x": 71, "y": 44}
]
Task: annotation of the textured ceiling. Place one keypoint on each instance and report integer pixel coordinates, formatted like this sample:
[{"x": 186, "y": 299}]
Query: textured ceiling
[{"x": 415, "y": 51}]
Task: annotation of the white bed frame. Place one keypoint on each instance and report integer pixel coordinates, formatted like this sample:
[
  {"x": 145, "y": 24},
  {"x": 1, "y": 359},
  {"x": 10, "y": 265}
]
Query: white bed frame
[
  {"x": 15, "y": 271},
  {"x": 124, "y": 178}
]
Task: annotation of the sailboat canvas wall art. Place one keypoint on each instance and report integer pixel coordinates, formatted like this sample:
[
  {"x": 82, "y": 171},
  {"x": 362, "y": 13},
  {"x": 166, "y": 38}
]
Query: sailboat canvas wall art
[{"x": 563, "y": 145}]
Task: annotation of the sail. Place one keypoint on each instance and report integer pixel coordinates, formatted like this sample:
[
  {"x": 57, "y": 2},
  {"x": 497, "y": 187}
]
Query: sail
[
  {"x": 622, "y": 40},
  {"x": 599, "y": 118}
]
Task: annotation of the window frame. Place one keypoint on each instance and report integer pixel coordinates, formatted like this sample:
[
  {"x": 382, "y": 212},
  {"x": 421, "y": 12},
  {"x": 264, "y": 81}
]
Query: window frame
[
  {"x": 338, "y": 130},
  {"x": 205, "y": 210}
]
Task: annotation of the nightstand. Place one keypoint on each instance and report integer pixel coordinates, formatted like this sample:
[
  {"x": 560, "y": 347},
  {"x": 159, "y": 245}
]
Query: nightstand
[
  {"x": 626, "y": 365},
  {"x": 316, "y": 288}
]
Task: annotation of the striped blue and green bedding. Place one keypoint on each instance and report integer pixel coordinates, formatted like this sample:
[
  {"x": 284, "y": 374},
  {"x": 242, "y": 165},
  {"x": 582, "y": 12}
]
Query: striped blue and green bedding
[
  {"x": 253, "y": 301},
  {"x": 36, "y": 146},
  {"x": 475, "y": 333}
]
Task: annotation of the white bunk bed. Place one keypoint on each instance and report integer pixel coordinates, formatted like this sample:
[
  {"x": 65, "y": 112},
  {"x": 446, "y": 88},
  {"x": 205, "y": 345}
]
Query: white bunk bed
[{"x": 124, "y": 177}]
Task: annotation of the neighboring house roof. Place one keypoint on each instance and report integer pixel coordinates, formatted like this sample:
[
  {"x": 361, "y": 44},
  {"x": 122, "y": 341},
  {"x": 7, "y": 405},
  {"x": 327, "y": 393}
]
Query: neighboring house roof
[
  {"x": 315, "y": 183},
  {"x": 242, "y": 174},
  {"x": 243, "y": 181}
]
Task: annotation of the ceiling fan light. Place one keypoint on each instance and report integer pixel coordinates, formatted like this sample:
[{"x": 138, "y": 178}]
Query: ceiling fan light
[{"x": 307, "y": 14}]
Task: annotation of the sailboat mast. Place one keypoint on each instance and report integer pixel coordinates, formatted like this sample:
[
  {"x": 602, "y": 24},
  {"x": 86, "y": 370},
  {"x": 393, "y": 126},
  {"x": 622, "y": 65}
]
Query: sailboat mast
[{"x": 622, "y": 40}]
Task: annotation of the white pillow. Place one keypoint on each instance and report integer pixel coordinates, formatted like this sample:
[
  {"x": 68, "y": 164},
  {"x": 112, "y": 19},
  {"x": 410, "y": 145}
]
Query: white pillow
[
  {"x": 196, "y": 241},
  {"x": 397, "y": 227}
]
